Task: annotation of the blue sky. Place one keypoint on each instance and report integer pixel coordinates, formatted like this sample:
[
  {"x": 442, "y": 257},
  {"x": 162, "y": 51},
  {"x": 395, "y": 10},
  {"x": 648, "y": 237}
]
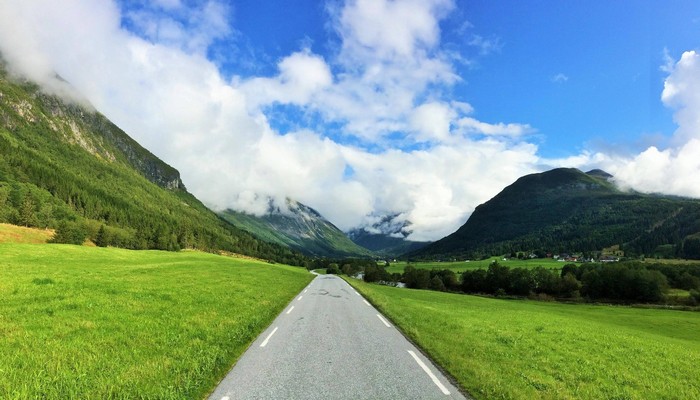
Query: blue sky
[
  {"x": 422, "y": 109},
  {"x": 583, "y": 74}
]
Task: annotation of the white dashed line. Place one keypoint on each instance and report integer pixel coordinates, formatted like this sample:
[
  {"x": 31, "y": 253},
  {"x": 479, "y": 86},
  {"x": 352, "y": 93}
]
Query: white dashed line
[
  {"x": 432, "y": 376},
  {"x": 225, "y": 398},
  {"x": 366, "y": 302},
  {"x": 357, "y": 293},
  {"x": 299, "y": 298},
  {"x": 306, "y": 290},
  {"x": 384, "y": 321},
  {"x": 267, "y": 339},
  {"x": 290, "y": 310}
]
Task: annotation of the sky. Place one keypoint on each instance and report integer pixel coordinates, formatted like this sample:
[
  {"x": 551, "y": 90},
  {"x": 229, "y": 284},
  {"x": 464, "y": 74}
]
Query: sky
[{"x": 422, "y": 109}]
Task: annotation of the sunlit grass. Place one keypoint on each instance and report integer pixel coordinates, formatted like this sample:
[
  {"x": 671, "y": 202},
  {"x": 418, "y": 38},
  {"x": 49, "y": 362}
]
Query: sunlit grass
[
  {"x": 508, "y": 349},
  {"x": 96, "y": 323},
  {"x": 19, "y": 234},
  {"x": 461, "y": 266}
]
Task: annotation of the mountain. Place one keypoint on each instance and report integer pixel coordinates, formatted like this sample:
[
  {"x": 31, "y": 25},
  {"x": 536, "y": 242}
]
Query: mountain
[
  {"x": 386, "y": 236},
  {"x": 300, "y": 227},
  {"x": 566, "y": 210},
  {"x": 65, "y": 166}
]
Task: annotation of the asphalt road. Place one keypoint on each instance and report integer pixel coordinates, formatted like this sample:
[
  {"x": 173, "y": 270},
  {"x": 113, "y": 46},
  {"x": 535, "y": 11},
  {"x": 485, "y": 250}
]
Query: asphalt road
[{"x": 330, "y": 343}]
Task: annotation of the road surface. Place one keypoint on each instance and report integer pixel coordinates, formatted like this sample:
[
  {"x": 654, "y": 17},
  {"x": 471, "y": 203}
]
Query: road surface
[{"x": 330, "y": 343}]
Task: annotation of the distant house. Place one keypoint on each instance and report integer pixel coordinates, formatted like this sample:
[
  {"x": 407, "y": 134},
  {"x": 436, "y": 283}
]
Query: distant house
[{"x": 607, "y": 259}]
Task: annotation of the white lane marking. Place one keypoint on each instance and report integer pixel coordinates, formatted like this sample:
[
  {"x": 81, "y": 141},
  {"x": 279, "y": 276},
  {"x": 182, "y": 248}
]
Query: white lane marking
[
  {"x": 357, "y": 293},
  {"x": 225, "y": 398},
  {"x": 432, "y": 376},
  {"x": 290, "y": 310},
  {"x": 366, "y": 302},
  {"x": 267, "y": 339},
  {"x": 306, "y": 290},
  {"x": 384, "y": 321},
  {"x": 299, "y": 298}
]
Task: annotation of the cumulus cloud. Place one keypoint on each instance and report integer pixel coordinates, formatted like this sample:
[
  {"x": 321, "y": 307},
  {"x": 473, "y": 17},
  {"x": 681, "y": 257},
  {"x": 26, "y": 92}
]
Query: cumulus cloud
[
  {"x": 146, "y": 69},
  {"x": 674, "y": 170}
]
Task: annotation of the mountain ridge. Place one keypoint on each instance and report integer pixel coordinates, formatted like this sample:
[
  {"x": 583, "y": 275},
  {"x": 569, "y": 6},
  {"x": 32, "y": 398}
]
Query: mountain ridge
[
  {"x": 300, "y": 227},
  {"x": 68, "y": 167},
  {"x": 565, "y": 209}
]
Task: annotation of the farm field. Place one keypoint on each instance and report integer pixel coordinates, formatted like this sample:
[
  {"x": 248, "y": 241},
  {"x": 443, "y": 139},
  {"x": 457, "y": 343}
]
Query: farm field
[
  {"x": 519, "y": 349},
  {"x": 81, "y": 322},
  {"x": 460, "y": 266}
]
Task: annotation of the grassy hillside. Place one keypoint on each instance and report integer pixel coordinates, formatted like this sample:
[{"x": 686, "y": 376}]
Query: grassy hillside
[
  {"x": 501, "y": 349},
  {"x": 20, "y": 234},
  {"x": 565, "y": 210},
  {"x": 80, "y": 322},
  {"x": 67, "y": 167}
]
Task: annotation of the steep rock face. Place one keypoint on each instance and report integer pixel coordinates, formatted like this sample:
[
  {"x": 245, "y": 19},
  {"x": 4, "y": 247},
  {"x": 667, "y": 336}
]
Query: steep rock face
[
  {"x": 82, "y": 126},
  {"x": 567, "y": 210},
  {"x": 65, "y": 166},
  {"x": 299, "y": 227}
]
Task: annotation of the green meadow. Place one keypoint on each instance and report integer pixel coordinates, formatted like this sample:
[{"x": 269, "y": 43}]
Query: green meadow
[
  {"x": 519, "y": 349},
  {"x": 100, "y": 323},
  {"x": 461, "y": 266}
]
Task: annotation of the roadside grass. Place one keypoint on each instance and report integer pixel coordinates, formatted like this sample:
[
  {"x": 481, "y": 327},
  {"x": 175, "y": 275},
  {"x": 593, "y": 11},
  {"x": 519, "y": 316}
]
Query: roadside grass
[
  {"x": 519, "y": 349},
  {"x": 461, "y": 266},
  {"x": 19, "y": 234},
  {"x": 101, "y": 323}
]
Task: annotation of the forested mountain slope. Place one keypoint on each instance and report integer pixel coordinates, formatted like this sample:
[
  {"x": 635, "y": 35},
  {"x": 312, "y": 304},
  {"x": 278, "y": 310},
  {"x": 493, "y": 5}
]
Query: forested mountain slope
[
  {"x": 65, "y": 166},
  {"x": 566, "y": 210},
  {"x": 299, "y": 227}
]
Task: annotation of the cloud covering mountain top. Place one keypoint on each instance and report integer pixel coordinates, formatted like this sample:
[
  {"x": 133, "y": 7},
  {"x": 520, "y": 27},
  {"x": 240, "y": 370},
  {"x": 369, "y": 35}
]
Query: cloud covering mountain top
[{"x": 369, "y": 128}]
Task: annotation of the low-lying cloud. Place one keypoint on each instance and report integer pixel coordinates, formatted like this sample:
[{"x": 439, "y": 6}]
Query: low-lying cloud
[{"x": 384, "y": 138}]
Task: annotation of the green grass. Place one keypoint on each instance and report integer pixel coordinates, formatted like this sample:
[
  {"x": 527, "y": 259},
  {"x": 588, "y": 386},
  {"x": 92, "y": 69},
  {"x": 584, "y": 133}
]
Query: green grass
[
  {"x": 507, "y": 349},
  {"x": 100, "y": 323},
  {"x": 461, "y": 266}
]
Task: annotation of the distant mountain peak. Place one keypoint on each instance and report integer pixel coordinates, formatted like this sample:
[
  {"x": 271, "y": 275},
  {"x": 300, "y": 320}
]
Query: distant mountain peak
[{"x": 599, "y": 173}]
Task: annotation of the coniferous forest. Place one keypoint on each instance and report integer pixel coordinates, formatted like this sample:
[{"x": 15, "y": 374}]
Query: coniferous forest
[{"x": 66, "y": 167}]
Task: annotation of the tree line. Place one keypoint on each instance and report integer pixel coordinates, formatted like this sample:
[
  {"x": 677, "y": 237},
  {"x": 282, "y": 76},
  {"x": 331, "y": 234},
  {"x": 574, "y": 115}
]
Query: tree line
[{"x": 630, "y": 282}]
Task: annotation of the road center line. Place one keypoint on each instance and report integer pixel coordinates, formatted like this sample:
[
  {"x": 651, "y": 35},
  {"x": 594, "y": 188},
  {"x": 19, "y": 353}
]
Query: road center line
[
  {"x": 290, "y": 310},
  {"x": 299, "y": 298},
  {"x": 384, "y": 321},
  {"x": 366, "y": 302},
  {"x": 432, "y": 376},
  {"x": 263, "y": 344}
]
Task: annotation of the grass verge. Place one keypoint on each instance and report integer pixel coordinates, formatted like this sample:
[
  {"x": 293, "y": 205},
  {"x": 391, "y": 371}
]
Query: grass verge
[
  {"x": 102, "y": 323},
  {"x": 506, "y": 349}
]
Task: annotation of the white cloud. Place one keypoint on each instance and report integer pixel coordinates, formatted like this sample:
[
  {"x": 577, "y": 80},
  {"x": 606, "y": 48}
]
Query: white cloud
[
  {"x": 486, "y": 46},
  {"x": 472, "y": 126},
  {"x": 560, "y": 78},
  {"x": 389, "y": 75},
  {"x": 674, "y": 170},
  {"x": 301, "y": 76}
]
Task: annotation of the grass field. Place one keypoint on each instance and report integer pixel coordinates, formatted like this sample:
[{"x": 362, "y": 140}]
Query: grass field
[
  {"x": 508, "y": 349},
  {"x": 18, "y": 234},
  {"x": 460, "y": 266},
  {"x": 100, "y": 323}
]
